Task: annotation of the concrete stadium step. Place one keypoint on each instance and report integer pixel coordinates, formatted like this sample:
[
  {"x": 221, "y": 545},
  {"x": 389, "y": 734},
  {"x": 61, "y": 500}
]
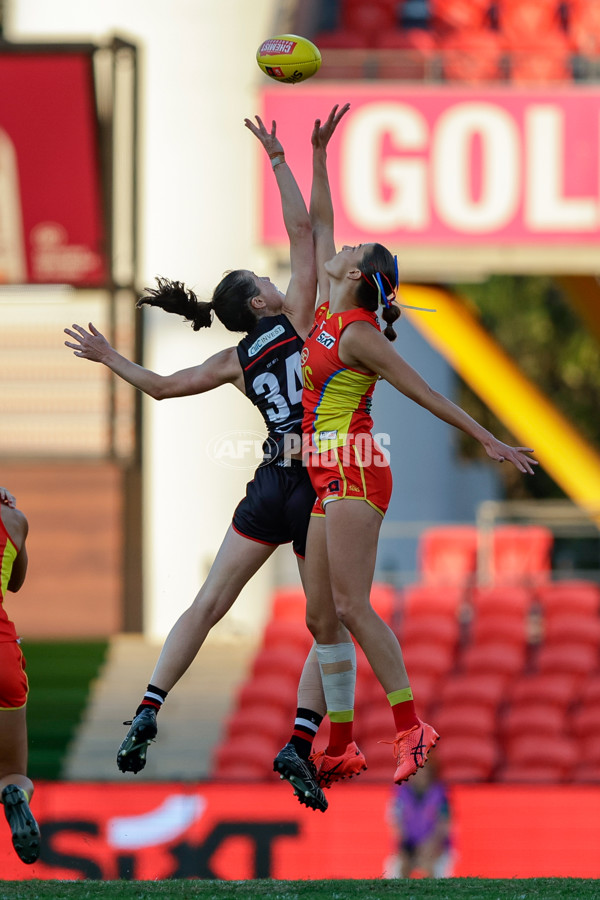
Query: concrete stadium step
[{"x": 189, "y": 725}]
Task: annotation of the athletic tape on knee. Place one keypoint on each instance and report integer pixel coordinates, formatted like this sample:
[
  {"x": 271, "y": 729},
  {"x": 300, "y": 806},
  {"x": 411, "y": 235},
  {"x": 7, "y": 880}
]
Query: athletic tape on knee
[{"x": 338, "y": 672}]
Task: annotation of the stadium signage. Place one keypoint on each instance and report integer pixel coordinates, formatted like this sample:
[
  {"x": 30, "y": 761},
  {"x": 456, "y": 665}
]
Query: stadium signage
[
  {"x": 451, "y": 166},
  {"x": 239, "y": 830},
  {"x": 51, "y": 226}
]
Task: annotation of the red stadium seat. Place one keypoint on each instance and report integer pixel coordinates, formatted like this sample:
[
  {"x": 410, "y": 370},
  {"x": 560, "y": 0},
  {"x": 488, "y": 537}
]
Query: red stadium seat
[
  {"x": 370, "y": 694},
  {"x": 385, "y": 600},
  {"x": 540, "y": 59},
  {"x": 508, "y": 629},
  {"x": 552, "y": 688},
  {"x": 576, "y": 596},
  {"x": 254, "y": 754},
  {"x": 274, "y": 723},
  {"x": 573, "y": 628},
  {"x": 405, "y": 54},
  {"x": 472, "y": 57},
  {"x": 507, "y": 599},
  {"x": 530, "y": 752},
  {"x": 466, "y": 688},
  {"x": 370, "y": 18},
  {"x": 504, "y": 659},
  {"x": 542, "y": 719},
  {"x": 532, "y": 773},
  {"x": 459, "y": 15},
  {"x": 289, "y": 604},
  {"x": 520, "y": 18},
  {"x": 432, "y": 599},
  {"x": 243, "y": 770},
  {"x": 376, "y": 723},
  {"x": 438, "y": 629},
  {"x": 585, "y": 722},
  {"x": 584, "y": 26},
  {"x": 277, "y": 661},
  {"x": 466, "y": 719},
  {"x": 472, "y": 772},
  {"x": 466, "y": 760},
  {"x": 567, "y": 659},
  {"x": 381, "y": 763},
  {"x": 341, "y": 39},
  {"x": 366, "y": 680},
  {"x": 591, "y": 749},
  {"x": 428, "y": 658},
  {"x": 589, "y": 694},
  {"x": 284, "y": 633},
  {"x": 448, "y": 554},
  {"x": 424, "y": 688},
  {"x": 586, "y": 773},
  {"x": 521, "y": 553},
  {"x": 267, "y": 692}
]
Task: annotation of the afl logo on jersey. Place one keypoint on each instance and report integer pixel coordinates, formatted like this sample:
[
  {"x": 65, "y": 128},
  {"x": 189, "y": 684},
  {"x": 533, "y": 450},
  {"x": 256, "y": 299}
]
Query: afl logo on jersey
[
  {"x": 326, "y": 339},
  {"x": 304, "y": 356}
]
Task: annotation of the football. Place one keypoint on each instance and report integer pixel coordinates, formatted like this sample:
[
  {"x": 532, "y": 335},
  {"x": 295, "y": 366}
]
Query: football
[{"x": 288, "y": 58}]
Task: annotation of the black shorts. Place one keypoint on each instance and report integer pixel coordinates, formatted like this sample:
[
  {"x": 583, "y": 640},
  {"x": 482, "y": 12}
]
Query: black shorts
[{"x": 277, "y": 506}]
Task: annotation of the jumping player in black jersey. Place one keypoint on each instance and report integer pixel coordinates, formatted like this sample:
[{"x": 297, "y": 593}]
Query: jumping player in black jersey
[{"x": 265, "y": 365}]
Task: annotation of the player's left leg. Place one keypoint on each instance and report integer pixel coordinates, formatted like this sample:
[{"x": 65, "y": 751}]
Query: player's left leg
[
  {"x": 16, "y": 789},
  {"x": 238, "y": 559},
  {"x": 352, "y": 531}
]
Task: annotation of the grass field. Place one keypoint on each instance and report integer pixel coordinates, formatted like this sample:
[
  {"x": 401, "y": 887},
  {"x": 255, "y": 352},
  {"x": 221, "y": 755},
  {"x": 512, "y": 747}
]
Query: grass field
[{"x": 444, "y": 889}]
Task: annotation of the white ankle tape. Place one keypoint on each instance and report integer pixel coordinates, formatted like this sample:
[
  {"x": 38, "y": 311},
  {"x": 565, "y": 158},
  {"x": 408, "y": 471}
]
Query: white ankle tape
[{"x": 338, "y": 672}]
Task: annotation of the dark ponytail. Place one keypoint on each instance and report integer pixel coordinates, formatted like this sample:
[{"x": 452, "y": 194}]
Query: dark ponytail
[
  {"x": 230, "y": 301},
  {"x": 174, "y": 297},
  {"x": 379, "y": 285},
  {"x": 389, "y": 315}
]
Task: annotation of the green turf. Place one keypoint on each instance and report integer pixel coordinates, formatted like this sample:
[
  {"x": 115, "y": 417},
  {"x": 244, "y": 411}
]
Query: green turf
[
  {"x": 444, "y": 889},
  {"x": 59, "y": 675}
]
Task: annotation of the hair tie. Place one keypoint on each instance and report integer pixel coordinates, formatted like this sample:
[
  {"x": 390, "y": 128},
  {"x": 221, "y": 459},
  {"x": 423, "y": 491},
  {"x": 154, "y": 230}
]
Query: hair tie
[{"x": 384, "y": 299}]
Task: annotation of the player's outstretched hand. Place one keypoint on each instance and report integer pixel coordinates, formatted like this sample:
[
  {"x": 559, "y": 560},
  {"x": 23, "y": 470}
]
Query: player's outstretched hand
[
  {"x": 7, "y": 498},
  {"x": 89, "y": 344},
  {"x": 501, "y": 452},
  {"x": 322, "y": 133},
  {"x": 268, "y": 139}
]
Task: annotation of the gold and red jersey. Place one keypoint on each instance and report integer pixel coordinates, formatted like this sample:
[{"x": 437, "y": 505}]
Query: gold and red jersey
[
  {"x": 336, "y": 398},
  {"x": 8, "y": 554}
]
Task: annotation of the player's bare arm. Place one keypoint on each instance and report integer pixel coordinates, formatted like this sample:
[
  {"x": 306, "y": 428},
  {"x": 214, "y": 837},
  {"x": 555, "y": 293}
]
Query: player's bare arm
[
  {"x": 17, "y": 526},
  {"x": 299, "y": 303},
  {"x": 361, "y": 346},
  {"x": 221, "y": 368},
  {"x": 321, "y": 207}
]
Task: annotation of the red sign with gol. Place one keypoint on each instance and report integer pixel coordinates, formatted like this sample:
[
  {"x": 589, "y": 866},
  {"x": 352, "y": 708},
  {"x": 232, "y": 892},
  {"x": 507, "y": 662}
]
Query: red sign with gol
[{"x": 448, "y": 166}]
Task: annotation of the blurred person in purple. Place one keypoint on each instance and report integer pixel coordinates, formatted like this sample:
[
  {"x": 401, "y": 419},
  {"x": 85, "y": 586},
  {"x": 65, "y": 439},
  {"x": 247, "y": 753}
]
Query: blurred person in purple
[{"x": 421, "y": 822}]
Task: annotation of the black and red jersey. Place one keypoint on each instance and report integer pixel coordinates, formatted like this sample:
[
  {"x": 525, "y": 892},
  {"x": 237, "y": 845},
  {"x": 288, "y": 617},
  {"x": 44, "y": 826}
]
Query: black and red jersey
[{"x": 270, "y": 359}]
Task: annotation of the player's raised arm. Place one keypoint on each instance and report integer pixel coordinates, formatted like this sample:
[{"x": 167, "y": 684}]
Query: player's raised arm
[
  {"x": 301, "y": 293},
  {"x": 321, "y": 207}
]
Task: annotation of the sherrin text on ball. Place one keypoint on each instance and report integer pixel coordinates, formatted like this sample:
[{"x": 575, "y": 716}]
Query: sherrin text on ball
[{"x": 288, "y": 58}]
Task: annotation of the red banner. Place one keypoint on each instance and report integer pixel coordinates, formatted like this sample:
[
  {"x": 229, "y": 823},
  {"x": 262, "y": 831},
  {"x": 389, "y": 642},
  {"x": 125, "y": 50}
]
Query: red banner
[
  {"x": 237, "y": 831},
  {"x": 51, "y": 226},
  {"x": 446, "y": 166}
]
